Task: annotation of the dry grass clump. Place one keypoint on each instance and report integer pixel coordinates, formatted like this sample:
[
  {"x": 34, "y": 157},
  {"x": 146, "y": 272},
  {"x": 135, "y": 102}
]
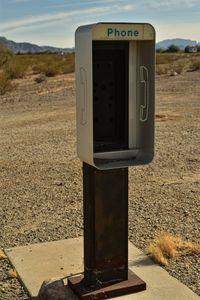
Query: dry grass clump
[
  {"x": 162, "y": 69},
  {"x": 179, "y": 67},
  {"x": 5, "y": 55},
  {"x": 2, "y": 255},
  {"x": 50, "y": 68},
  {"x": 15, "y": 69},
  {"x": 40, "y": 78},
  {"x": 195, "y": 65},
  {"x": 166, "y": 246},
  {"x": 6, "y": 84},
  {"x": 68, "y": 63},
  {"x": 12, "y": 273}
]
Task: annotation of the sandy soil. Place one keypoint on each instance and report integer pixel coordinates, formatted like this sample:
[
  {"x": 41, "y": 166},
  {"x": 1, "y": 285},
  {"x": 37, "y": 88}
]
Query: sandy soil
[{"x": 41, "y": 179}]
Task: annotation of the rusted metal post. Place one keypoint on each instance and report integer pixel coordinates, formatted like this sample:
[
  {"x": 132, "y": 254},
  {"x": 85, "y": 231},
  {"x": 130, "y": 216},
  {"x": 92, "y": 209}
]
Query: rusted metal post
[
  {"x": 105, "y": 201},
  {"x": 105, "y": 196}
]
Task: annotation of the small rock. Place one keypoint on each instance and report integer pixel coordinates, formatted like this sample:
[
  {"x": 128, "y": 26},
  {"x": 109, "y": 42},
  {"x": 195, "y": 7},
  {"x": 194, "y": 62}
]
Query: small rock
[
  {"x": 53, "y": 289},
  {"x": 2, "y": 290},
  {"x": 58, "y": 183},
  {"x": 174, "y": 73}
]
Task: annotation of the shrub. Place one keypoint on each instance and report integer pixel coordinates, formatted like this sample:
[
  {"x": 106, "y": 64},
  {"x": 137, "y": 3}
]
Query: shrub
[
  {"x": 68, "y": 68},
  {"x": 195, "y": 65},
  {"x": 50, "y": 69},
  {"x": 5, "y": 55},
  {"x": 68, "y": 64},
  {"x": 15, "y": 69},
  {"x": 40, "y": 78},
  {"x": 179, "y": 67},
  {"x": 173, "y": 49},
  {"x": 161, "y": 69},
  {"x": 159, "y": 50},
  {"x": 5, "y": 84},
  {"x": 187, "y": 49}
]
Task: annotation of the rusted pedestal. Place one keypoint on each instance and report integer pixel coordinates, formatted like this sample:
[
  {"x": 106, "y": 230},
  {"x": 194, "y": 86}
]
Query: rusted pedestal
[
  {"x": 106, "y": 290},
  {"x": 105, "y": 198}
]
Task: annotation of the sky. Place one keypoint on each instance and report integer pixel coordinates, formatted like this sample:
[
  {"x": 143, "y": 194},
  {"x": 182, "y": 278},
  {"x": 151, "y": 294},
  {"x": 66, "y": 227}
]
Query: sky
[{"x": 48, "y": 22}]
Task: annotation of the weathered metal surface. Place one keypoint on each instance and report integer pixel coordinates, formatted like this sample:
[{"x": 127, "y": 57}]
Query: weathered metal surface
[
  {"x": 105, "y": 196},
  {"x": 107, "y": 290},
  {"x": 106, "y": 275}
]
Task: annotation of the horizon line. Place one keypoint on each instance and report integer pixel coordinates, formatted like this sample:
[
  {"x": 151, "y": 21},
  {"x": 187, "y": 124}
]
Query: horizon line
[{"x": 71, "y": 47}]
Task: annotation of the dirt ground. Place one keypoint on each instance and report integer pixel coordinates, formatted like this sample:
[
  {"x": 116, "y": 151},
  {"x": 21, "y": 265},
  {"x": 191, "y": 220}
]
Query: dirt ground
[{"x": 41, "y": 176}]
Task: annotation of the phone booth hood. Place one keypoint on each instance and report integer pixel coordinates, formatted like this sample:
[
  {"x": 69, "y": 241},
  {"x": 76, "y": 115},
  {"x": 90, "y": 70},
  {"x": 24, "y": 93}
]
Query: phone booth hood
[{"x": 115, "y": 92}]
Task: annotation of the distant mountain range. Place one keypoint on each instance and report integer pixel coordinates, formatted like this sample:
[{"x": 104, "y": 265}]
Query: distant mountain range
[
  {"x": 181, "y": 43},
  {"x": 32, "y": 48}
]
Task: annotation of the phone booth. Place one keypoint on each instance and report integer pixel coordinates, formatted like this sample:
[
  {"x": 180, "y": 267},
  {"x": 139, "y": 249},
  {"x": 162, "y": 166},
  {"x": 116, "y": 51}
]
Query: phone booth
[
  {"x": 115, "y": 94},
  {"x": 115, "y": 66}
]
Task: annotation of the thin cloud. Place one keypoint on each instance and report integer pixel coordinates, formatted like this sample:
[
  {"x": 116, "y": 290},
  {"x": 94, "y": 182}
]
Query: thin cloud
[
  {"x": 21, "y": 1},
  {"x": 129, "y": 7},
  {"x": 172, "y": 3},
  {"x": 38, "y": 20},
  {"x": 86, "y": 3},
  {"x": 48, "y": 17}
]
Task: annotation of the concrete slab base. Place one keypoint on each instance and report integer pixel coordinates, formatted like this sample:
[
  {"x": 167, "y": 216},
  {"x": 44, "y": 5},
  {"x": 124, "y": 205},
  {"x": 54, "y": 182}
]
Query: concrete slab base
[{"x": 38, "y": 262}]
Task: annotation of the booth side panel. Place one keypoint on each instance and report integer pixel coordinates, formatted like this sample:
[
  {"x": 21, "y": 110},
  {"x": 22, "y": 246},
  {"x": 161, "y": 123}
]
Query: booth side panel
[
  {"x": 146, "y": 111},
  {"x": 84, "y": 107}
]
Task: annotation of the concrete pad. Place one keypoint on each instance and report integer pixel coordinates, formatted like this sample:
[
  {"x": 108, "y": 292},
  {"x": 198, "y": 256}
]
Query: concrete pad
[
  {"x": 59, "y": 259},
  {"x": 38, "y": 262}
]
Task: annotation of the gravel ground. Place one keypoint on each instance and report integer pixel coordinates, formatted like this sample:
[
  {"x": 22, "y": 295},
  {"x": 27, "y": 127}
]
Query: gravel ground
[{"x": 41, "y": 179}]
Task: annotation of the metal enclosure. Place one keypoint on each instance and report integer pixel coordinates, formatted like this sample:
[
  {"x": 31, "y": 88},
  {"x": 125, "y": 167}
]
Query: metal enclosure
[{"x": 115, "y": 66}]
